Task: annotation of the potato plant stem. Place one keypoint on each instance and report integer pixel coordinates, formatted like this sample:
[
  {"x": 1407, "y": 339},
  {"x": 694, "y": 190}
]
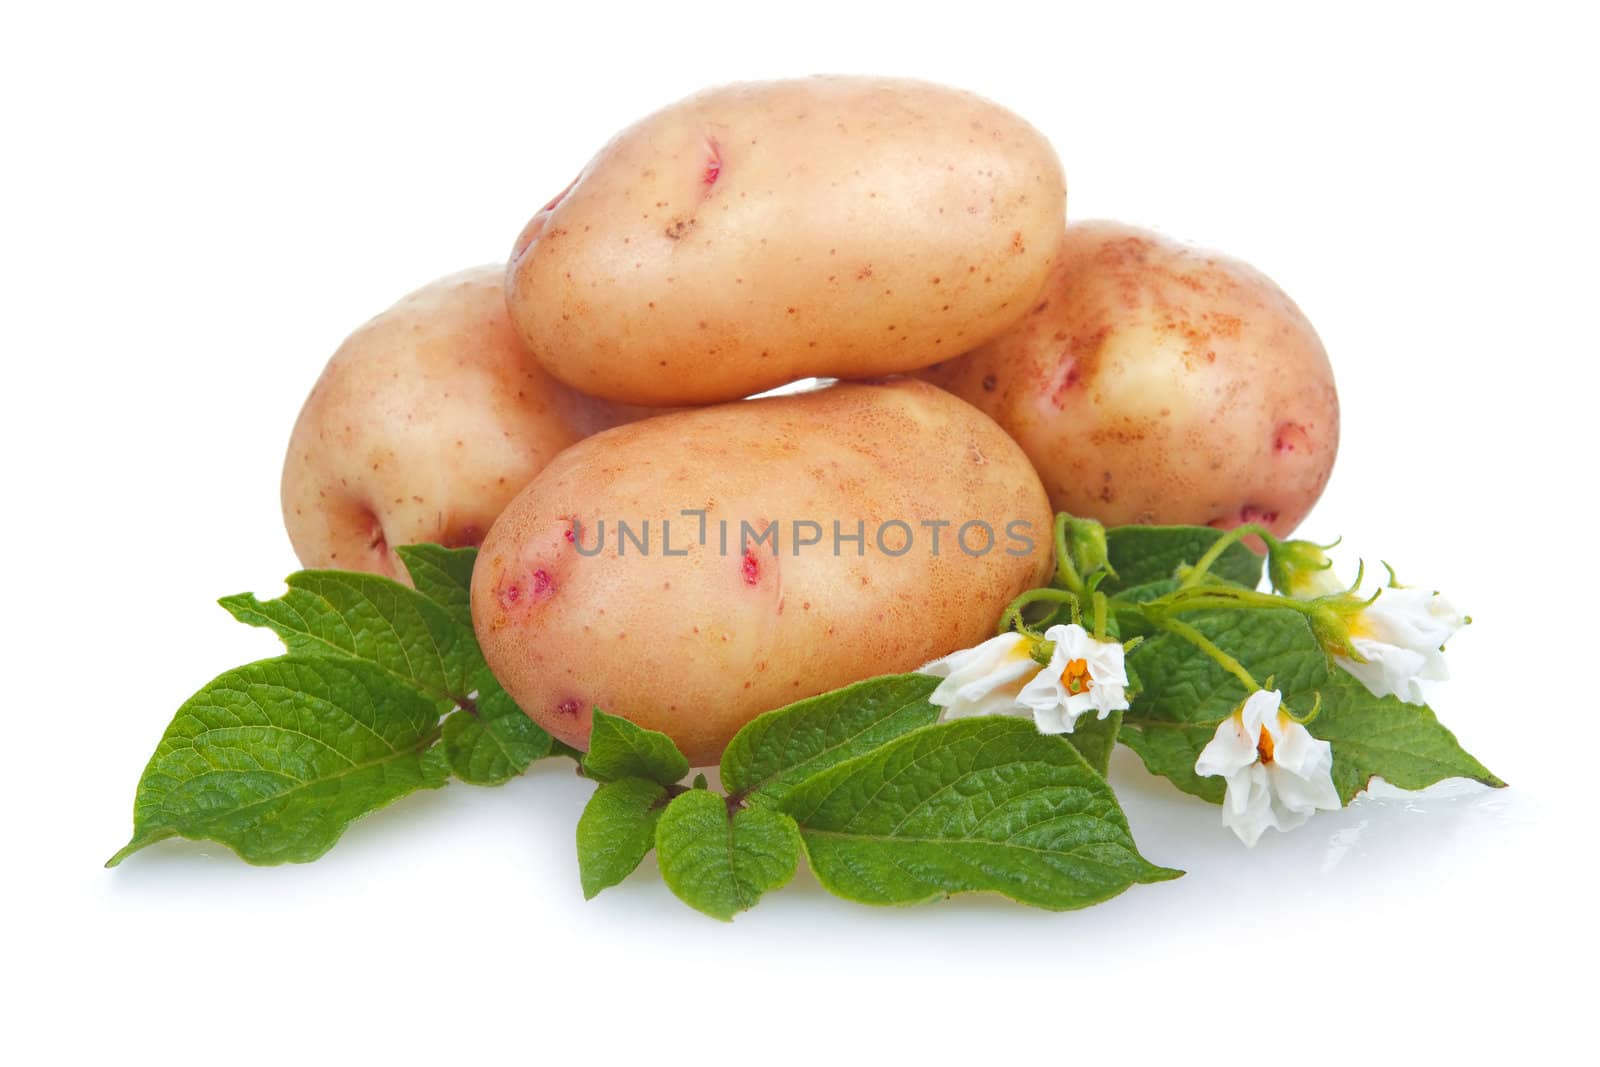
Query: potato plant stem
[
  {"x": 1223, "y": 596},
  {"x": 1158, "y": 618},
  {"x": 1066, "y": 573},
  {"x": 1012, "y": 616},
  {"x": 1204, "y": 644},
  {"x": 1203, "y": 565}
]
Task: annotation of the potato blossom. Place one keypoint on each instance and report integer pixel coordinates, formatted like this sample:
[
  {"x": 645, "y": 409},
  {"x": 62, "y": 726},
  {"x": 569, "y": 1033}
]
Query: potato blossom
[
  {"x": 1084, "y": 674},
  {"x": 1277, "y": 774},
  {"x": 985, "y": 679},
  {"x": 1399, "y": 639}
]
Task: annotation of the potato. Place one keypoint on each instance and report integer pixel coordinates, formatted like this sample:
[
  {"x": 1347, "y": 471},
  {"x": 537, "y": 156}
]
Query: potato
[
  {"x": 424, "y": 424},
  {"x": 697, "y": 636},
  {"x": 1155, "y": 383},
  {"x": 760, "y": 233}
]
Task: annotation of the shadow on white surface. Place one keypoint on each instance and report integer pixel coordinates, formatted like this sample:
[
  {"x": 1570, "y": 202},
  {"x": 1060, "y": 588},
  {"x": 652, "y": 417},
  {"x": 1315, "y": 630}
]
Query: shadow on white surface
[{"x": 1381, "y": 832}]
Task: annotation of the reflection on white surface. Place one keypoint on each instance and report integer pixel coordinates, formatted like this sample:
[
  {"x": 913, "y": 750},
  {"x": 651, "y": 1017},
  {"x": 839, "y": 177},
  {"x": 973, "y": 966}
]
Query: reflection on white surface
[
  {"x": 1407, "y": 883},
  {"x": 1351, "y": 862},
  {"x": 1381, "y": 821},
  {"x": 1341, "y": 843}
]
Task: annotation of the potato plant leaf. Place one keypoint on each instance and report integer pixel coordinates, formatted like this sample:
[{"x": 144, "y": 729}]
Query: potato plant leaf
[
  {"x": 444, "y": 576},
  {"x": 490, "y": 741},
  {"x": 972, "y": 805},
  {"x": 384, "y": 690},
  {"x": 366, "y": 655},
  {"x": 1145, "y": 556},
  {"x": 782, "y": 748},
  {"x": 619, "y": 749},
  {"x": 719, "y": 862},
  {"x": 275, "y": 759},
  {"x": 1404, "y": 744},
  {"x": 617, "y": 830},
  {"x": 1094, "y": 738},
  {"x": 1170, "y": 751},
  {"x": 368, "y": 617}
]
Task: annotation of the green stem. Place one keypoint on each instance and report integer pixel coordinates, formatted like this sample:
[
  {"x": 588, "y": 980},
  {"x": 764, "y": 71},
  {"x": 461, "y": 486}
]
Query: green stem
[
  {"x": 1316, "y": 709},
  {"x": 1012, "y": 616},
  {"x": 1100, "y": 612},
  {"x": 1066, "y": 573},
  {"x": 1221, "y": 545},
  {"x": 1204, "y": 644},
  {"x": 1221, "y": 596}
]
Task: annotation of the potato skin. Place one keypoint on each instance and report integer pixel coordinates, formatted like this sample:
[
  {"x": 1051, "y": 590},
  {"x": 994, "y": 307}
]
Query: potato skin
[
  {"x": 697, "y": 645},
  {"x": 1156, "y": 383},
  {"x": 423, "y": 425},
  {"x": 764, "y": 232}
]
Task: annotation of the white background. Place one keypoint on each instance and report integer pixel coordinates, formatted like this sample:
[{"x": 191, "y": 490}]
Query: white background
[{"x": 199, "y": 203}]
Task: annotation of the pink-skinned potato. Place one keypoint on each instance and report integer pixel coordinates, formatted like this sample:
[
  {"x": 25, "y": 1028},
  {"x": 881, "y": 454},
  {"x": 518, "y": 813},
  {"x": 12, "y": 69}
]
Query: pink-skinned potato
[
  {"x": 695, "y": 639},
  {"x": 764, "y": 232},
  {"x": 423, "y": 425},
  {"x": 1153, "y": 382}
]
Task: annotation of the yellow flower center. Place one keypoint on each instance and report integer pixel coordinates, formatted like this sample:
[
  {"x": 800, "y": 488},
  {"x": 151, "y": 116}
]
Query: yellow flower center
[
  {"x": 1264, "y": 746},
  {"x": 1075, "y": 679}
]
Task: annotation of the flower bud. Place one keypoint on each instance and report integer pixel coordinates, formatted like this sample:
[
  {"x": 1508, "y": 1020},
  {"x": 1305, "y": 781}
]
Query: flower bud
[
  {"x": 1086, "y": 545},
  {"x": 1302, "y": 570}
]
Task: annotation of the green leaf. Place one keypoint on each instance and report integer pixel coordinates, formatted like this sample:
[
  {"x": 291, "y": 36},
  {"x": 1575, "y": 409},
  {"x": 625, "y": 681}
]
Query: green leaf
[
  {"x": 977, "y": 804},
  {"x": 1402, "y": 743},
  {"x": 1142, "y": 555},
  {"x": 276, "y": 758},
  {"x": 443, "y": 575},
  {"x": 721, "y": 864},
  {"x": 1185, "y": 693},
  {"x": 490, "y": 740},
  {"x": 1183, "y": 684},
  {"x": 616, "y": 831},
  {"x": 1094, "y": 738},
  {"x": 370, "y": 618},
  {"x": 619, "y": 749},
  {"x": 782, "y": 748},
  {"x": 1170, "y": 750}
]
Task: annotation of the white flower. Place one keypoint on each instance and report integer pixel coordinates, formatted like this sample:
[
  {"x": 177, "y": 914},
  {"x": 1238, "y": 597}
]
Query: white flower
[
  {"x": 1083, "y": 675},
  {"x": 1277, "y": 773},
  {"x": 983, "y": 680},
  {"x": 1401, "y": 636}
]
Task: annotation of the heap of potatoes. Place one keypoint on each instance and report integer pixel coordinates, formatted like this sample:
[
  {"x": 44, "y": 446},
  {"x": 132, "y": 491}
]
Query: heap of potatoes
[{"x": 995, "y": 363}]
